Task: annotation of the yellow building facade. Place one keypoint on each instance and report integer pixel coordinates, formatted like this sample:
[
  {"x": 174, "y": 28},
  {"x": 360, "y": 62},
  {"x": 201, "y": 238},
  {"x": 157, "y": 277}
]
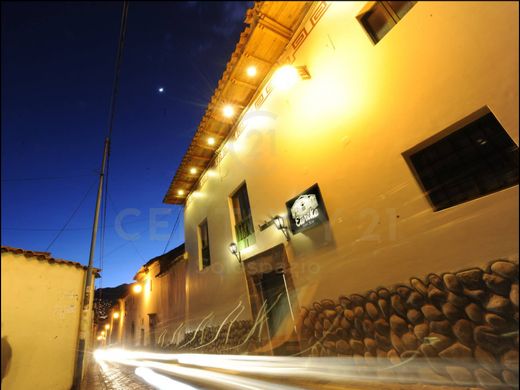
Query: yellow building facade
[
  {"x": 146, "y": 317},
  {"x": 346, "y": 123},
  {"x": 349, "y": 128},
  {"x": 41, "y": 306}
]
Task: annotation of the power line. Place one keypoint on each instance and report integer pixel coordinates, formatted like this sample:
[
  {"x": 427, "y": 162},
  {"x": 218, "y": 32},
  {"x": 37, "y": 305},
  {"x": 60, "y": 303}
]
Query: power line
[
  {"x": 115, "y": 87},
  {"x": 28, "y": 229},
  {"x": 46, "y": 178},
  {"x": 131, "y": 242},
  {"x": 72, "y": 216},
  {"x": 174, "y": 227}
]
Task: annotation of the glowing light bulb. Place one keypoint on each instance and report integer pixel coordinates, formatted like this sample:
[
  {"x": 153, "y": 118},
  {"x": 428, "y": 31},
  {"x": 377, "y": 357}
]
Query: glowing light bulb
[
  {"x": 193, "y": 171},
  {"x": 251, "y": 71},
  {"x": 285, "y": 77},
  {"x": 180, "y": 192},
  {"x": 228, "y": 111},
  {"x": 137, "y": 288},
  {"x": 211, "y": 141}
]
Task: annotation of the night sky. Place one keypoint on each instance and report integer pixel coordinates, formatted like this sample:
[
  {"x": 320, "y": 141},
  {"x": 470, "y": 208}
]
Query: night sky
[{"x": 58, "y": 62}]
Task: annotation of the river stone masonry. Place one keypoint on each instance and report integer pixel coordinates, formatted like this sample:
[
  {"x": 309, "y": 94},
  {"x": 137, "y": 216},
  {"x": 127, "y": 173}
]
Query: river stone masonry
[{"x": 448, "y": 320}]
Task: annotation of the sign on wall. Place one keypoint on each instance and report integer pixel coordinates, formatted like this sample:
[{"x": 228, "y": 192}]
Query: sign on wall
[{"x": 306, "y": 210}]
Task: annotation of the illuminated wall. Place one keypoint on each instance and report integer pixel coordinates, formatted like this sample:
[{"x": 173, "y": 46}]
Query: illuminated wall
[
  {"x": 346, "y": 129},
  {"x": 41, "y": 305},
  {"x": 162, "y": 296}
]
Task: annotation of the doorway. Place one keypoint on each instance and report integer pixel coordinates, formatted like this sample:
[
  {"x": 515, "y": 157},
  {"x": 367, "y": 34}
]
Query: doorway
[
  {"x": 152, "y": 321},
  {"x": 271, "y": 294}
]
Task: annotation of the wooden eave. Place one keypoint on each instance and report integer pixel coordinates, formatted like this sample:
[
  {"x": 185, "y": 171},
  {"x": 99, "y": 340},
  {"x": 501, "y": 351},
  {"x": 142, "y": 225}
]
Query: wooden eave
[{"x": 270, "y": 26}]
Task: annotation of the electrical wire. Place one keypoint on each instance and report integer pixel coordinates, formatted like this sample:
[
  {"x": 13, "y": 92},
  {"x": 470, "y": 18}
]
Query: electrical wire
[
  {"x": 112, "y": 110},
  {"x": 28, "y": 229},
  {"x": 173, "y": 230},
  {"x": 115, "y": 88},
  {"x": 46, "y": 178},
  {"x": 131, "y": 242},
  {"x": 72, "y": 216}
]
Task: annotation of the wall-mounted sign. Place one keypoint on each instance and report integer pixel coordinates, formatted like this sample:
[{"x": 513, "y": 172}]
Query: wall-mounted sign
[{"x": 306, "y": 210}]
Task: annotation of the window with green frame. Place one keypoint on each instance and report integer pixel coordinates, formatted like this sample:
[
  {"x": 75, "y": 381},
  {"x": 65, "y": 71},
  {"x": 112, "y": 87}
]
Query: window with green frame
[
  {"x": 244, "y": 228},
  {"x": 205, "y": 256}
]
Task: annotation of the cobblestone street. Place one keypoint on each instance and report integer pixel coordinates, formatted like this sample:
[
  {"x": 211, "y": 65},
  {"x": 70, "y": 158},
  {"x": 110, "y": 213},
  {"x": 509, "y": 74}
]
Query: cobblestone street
[{"x": 114, "y": 377}]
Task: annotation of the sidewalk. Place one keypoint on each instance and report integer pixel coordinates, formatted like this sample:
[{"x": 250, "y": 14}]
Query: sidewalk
[{"x": 94, "y": 378}]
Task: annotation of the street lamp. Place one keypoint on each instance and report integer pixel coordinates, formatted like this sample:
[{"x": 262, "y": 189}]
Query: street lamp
[
  {"x": 234, "y": 250},
  {"x": 280, "y": 225},
  {"x": 116, "y": 315},
  {"x": 107, "y": 327}
]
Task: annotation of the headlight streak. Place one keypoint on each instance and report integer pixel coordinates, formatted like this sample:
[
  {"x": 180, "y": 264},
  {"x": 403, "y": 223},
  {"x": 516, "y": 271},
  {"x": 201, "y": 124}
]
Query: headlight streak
[
  {"x": 230, "y": 381},
  {"x": 333, "y": 369},
  {"x": 159, "y": 381}
]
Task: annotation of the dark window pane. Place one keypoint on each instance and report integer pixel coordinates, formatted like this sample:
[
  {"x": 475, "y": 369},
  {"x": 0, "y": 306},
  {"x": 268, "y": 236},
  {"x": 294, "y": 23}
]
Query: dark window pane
[
  {"x": 204, "y": 243},
  {"x": 401, "y": 7},
  {"x": 474, "y": 161},
  {"x": 377, "y": 21},
  {"x": 244, "y": 228}
]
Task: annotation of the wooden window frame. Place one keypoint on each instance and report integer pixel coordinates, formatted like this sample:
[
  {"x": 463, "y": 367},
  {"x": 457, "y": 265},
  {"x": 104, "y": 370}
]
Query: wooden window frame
[{"x": 389, "y": 11}]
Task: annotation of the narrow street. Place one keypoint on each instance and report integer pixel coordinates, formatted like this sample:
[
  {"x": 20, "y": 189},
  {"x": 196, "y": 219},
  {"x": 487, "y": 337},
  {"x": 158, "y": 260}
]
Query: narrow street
[{"x": 117, "y": 369}]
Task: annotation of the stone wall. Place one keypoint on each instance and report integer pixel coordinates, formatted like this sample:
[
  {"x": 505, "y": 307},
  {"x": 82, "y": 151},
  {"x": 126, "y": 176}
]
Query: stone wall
[{"x": 466, "y": 321}]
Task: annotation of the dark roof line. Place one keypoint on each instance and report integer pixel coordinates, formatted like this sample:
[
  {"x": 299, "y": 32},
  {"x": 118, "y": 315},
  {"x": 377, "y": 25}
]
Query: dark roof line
[{"x": 44, "y": 256}]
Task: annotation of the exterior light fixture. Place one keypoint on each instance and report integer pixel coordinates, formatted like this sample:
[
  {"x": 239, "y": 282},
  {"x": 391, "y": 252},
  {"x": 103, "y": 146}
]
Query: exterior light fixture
[
  {"x": 228, "y": 111},
  {"x": 233, "y": 248},
  {"x": 103, "y": 333},
  {"x": 211, "y": 141},
  {"x": 288, "y": 75},
  {"x": 100, "y": 338},
  {"x": 279, "y": 222},
  {"x": 193, "y": 170},
  {"x": 137, "y": 288},
  {"x": 180, "y": 192},
  {"x": 107, "y": 327},
  {"x": 116, "y": 315},
  {"x": 251, "y": 71}
]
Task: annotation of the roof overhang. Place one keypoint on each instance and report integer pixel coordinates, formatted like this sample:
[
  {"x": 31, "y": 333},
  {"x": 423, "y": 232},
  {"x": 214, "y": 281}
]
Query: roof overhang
[{"x": 270, "y": 27}]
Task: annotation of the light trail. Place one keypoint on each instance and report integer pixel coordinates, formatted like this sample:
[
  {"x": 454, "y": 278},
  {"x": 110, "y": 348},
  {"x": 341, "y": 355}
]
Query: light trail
[
  {"x": 159, "y": 381},
  {"x": 244, "y": 371}
]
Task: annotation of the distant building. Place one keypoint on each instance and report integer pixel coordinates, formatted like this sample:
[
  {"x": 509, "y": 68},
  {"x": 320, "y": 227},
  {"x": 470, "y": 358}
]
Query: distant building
[
  {"x": 155, "y": 304},
  {"x": 385, "y": 136},
  {"x": 41, "y": 305}
]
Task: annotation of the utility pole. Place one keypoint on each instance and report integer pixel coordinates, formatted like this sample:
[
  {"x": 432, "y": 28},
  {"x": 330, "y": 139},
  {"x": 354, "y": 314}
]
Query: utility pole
[{"x": 86, "y": 309}]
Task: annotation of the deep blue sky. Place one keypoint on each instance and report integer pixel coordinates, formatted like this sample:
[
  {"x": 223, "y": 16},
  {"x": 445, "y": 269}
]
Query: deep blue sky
[{"x": 58, "y": 63}]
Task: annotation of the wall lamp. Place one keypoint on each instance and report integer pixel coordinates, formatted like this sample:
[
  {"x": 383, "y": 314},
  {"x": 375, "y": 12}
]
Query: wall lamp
[
  {"x": 233, "y": 248},
  {"x": 137, "y": 288},
  {"x": 279, "y": 222},
  {"x": 116, "y": 315},
  {"x": 287, "y": 76}
]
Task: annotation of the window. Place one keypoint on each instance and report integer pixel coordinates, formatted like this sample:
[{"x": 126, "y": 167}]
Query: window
[
  {"x": 244, "y": 229},
  {"x": 204, "y": 244},
  {"x": 379, "y": 19},
  {"x": 476, "y": 160}
]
